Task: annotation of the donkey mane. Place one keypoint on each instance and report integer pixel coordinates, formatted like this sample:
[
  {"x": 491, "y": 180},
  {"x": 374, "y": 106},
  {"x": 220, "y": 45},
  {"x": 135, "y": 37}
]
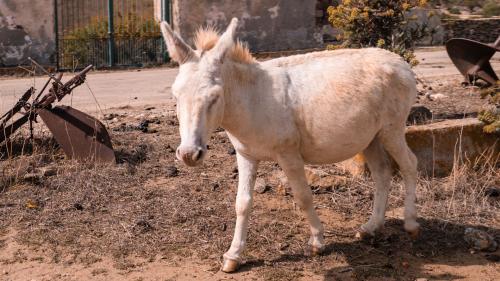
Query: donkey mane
[{"x": 206, "y": 38}]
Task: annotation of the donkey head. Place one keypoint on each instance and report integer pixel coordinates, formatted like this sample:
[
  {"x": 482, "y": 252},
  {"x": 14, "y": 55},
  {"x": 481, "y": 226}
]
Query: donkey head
[{"x": 198, "y": 89}]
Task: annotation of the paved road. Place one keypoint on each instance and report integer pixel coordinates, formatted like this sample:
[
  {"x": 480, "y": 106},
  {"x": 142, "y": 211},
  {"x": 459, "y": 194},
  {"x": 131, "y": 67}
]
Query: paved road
[{"x": 152, "y": 86}]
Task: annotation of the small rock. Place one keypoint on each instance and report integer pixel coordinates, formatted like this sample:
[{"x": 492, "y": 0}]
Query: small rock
[
  {"x": 261, "y": 186},
  {"x": 493, "y": 258},
  {"x": 480, "y": 240},
  {"x": 143, "y": 226},
  {"x": 170, "y": 149},
  {"x": 78, "y": 206},
  {"x": 284, "y": 246},
  {"x": 418, "y": 115},
  {"x": 215, "y": 186},
  {"x": 434, "y": 97},
  {"x": 231, "y": 151},
  {"x": 48, "y": 171},
  {"x": 171, "y": 171},
  {"x": 224, "y": 227},
  {"x": 150, "y": 108},
  {"x": 33, "y": 177},
  {"x": 492, "y": 191},
  {"x": 143, "y": 126},
  {"x": 110, "y": 116}
]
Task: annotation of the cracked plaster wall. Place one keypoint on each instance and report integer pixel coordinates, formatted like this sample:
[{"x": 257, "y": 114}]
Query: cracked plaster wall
[
  {"x": 26, "y": 30},
  {"x": 267, "y": 25}
]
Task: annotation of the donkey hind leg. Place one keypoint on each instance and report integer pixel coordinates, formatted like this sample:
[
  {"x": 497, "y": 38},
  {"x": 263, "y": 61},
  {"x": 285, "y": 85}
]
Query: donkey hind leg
[
  {"x": 394, "y": 142},
  {"x": 380, "y": 168},
  {"x": 293, "y": 166}
]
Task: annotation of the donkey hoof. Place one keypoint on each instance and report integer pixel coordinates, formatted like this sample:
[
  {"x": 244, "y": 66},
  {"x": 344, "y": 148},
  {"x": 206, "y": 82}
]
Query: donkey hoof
[
  {"x": 312, "y": 251},
  {"x": 414, "y": 234},
  {"x": 229, "y": 265},
  {"x": 413, "y": 229}
]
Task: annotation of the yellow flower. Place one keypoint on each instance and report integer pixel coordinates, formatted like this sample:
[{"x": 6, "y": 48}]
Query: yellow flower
[
  {"x": 422, "y": 3},
  {"x": 346, "y": 2},
  {"x": 390, "y": 13},
  {"x": 365, "y": 15},
  {"x": 354, "y": 13},
  {"x": 405, "y": 6},
  {"x": 380, "y": 43}
]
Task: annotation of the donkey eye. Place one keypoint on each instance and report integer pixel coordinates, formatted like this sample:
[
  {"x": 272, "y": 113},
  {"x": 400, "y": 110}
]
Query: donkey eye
[{"x": 212, "y": 102}]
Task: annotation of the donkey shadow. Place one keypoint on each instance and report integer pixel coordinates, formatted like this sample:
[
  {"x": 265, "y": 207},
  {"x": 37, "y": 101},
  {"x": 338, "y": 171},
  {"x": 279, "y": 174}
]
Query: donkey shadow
[{"x": 392, "y": 255}]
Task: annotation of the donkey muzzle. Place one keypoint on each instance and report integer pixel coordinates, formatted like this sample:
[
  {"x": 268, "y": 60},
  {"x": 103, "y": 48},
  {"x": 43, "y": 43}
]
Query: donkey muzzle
[{"x": 191, "y": 155}]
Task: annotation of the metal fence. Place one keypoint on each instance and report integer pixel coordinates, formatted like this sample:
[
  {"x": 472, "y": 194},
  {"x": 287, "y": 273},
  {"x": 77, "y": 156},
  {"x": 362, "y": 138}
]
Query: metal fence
[{"x": 107, "y": 33}]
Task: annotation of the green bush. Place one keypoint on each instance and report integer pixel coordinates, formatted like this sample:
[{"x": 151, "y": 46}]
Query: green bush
[
  {"x": 88, "y": 44},
  {"x": 491, "y": 8},
  {"x": 491, "y": 116},
  {"x": 378, "y": 23},
  {"x": 454, "y": 10}
]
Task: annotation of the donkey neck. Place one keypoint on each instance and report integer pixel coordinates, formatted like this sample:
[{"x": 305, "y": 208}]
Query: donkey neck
[
  {"x": 255, "y": 102},
  {"x": 241, "y": 91}
]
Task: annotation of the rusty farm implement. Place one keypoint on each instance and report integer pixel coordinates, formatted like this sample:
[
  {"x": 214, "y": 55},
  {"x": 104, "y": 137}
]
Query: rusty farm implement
[
  {"x": 80, "y": 135},
  {"x": 472, "y": 59}
]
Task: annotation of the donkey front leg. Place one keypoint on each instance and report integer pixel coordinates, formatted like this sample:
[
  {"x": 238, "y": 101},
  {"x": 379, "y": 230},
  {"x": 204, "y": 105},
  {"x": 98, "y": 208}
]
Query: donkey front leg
[
  {"x": 247, "y": 170},
  {"x": 293, "y": 166}
]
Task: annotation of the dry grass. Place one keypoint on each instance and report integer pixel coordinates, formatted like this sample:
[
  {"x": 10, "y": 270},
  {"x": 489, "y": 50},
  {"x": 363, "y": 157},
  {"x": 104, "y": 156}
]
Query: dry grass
[{"x": 133, "y": 209}]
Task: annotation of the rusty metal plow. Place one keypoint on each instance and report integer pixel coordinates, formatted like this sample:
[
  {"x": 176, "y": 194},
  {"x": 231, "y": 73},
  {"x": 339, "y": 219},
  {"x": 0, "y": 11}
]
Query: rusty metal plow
[
  {"x": 472, "y": 59},
  {"x": 80, "y": 135}
]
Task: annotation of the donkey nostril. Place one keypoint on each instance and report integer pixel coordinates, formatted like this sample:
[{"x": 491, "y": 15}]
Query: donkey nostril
[{"x": 198, "y": 154}]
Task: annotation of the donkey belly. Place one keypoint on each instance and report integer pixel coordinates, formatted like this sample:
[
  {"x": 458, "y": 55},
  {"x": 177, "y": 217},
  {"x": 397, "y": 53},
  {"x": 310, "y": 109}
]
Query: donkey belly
[{"x": 331, "y": 142}]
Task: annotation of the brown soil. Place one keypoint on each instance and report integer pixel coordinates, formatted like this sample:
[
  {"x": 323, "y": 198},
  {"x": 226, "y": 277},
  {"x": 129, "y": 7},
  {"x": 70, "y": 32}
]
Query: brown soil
[
  {"x": 459, "y": 100},
  {"x": 138, "y": 220}
]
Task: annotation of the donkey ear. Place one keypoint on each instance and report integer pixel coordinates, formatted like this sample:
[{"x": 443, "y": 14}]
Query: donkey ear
[
  {"x": 226, "y": 41},
  {"x": 178, "y": 50}
]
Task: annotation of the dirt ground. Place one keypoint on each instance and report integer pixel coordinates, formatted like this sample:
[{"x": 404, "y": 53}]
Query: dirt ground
[{"x": 151, "y": 218}]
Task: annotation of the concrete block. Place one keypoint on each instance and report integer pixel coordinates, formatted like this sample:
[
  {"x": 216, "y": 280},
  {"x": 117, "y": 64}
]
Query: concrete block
[{"x": 439, "y": 146}]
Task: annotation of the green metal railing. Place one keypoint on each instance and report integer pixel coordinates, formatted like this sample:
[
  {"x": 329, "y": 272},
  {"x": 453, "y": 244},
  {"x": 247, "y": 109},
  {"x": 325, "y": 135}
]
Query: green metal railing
[{"x": 108, "y": 33}]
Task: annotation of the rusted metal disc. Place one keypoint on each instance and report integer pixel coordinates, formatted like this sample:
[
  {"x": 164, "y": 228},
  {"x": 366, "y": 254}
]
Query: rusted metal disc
[
  {"x": 472, "y": 59},
  {"x": 80, "y": 135}
]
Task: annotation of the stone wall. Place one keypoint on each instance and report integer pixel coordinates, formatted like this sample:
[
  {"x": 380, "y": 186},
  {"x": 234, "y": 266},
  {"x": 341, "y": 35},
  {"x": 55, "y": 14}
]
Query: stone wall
[
  {"x": 26, "y": 30},
  {"x": 267, "y": 25},
  {"x": 482, "y": 30}
]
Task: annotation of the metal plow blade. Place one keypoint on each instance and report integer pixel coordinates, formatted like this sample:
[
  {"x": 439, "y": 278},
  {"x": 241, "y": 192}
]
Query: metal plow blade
[
  {"x": 472, "y": 58},
  {"x": 80, "y": 135}
]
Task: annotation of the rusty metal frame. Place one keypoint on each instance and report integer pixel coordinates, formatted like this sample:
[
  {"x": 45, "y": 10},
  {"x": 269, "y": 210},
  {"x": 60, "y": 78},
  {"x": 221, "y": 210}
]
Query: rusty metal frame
[{"x": 80, "y": 135}]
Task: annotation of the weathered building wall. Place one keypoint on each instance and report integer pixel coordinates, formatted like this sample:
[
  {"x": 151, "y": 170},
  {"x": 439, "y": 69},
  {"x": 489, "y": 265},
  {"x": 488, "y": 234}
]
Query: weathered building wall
[
  {"x": 26, "y": 30},
  {"x": 267, "y": 25}
]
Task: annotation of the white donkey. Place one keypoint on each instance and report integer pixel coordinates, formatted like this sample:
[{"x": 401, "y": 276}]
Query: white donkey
[{"x": 322, "y": 107}]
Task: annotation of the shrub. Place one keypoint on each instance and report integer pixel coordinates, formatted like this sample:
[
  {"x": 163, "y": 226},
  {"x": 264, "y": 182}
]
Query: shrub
[
  {"x": 379, "y": 23},
  {"x": 454, "y": 10},
  {"x": 491, "y": 8},
  {"x": 88, "y": 44},
  {"x": 491, "y": 115}
]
